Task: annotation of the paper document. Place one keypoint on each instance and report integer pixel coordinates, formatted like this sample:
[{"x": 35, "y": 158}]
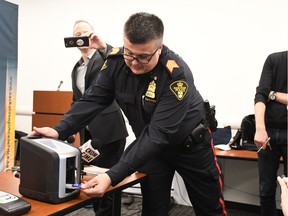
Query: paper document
[{"x": 224, "y": 147}]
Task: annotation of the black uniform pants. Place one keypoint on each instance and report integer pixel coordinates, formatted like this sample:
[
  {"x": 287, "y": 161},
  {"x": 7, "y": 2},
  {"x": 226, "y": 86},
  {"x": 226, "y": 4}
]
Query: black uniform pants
[
  {"x": 200, "y": 172},
  {"x": 268, "y": 164}
]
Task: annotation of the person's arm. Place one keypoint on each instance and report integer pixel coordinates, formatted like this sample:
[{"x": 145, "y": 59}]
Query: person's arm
[
  {"x": 104, "y": 53},
  {"x": 281, "y": 98},
  {"x": 283, "y": 182},
  {"x": 261, "y": 135},
  {"x": 260, "y": 101},
  {"x": 97, "y": 43}
]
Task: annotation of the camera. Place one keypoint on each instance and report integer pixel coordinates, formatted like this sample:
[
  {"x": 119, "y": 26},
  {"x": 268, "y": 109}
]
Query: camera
[{"x": 82, "y": 41}]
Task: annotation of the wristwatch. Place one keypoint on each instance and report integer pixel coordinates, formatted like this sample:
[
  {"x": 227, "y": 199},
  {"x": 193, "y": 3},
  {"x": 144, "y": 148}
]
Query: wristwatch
[{"x": 272, "y": 95}]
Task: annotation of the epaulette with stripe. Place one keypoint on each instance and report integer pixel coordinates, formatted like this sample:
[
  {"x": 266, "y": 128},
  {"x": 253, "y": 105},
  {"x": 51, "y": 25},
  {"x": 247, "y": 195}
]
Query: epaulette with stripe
[
  {"x": 171, "y": 65},
  {"x": 171, "y": 61},
  {"x": 115, "y": 51}
]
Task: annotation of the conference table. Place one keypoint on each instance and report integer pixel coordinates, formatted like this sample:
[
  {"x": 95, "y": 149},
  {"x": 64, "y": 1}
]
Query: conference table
[
  {"x": 238, "y": 154},
  {"x": 10, "y": 184}
]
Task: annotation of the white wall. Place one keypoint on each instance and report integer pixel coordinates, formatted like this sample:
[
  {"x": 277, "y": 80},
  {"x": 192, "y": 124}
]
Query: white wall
[{"x": 224, "y": 42}]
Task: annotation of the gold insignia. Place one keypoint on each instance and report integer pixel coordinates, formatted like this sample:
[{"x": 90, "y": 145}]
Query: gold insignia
[
  {"x": 151, "y": 89},
  {"x": 104, "y": 65},
  {"x": 179, "y": 88},
  {"x": 171, "y": 64},
  {"x": 114, "y": 51}
]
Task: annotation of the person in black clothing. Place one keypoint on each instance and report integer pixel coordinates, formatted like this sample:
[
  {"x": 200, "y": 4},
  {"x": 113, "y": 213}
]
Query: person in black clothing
[
  {"x": 108, "y": 128},
  {"x": 155, "y": 89},
  {"x": 271, "y": 100}
]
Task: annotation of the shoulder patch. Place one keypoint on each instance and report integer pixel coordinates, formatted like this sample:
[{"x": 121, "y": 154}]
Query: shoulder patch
[
  {"x": 179, "y": 88},
  {"x": 114, "y": 51},
  {"x": 171, "y": 64}
]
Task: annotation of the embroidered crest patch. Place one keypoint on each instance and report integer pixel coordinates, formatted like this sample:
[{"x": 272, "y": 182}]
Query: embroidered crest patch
[{"x": 179, "y": 88}]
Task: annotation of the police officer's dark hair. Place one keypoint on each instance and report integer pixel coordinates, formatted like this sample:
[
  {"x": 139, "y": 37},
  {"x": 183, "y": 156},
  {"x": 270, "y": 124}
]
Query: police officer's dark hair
[{"x": 143, "y": 27}]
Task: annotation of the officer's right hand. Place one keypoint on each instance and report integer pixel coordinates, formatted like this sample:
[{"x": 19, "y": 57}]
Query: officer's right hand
[{"x": 44, "y": 131}]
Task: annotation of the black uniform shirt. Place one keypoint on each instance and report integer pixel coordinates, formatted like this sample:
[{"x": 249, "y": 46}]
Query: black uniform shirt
[{"x": 162, "y": 106}]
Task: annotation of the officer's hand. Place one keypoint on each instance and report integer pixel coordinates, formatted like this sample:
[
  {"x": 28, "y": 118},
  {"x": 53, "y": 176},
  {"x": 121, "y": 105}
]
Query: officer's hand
[
  {"x": 97, "y": 186},
  {"x": 44, "y": 131}
]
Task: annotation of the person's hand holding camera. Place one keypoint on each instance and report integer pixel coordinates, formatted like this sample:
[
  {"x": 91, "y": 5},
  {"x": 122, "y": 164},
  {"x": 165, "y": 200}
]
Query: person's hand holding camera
[{"x": 96, "y": 42}]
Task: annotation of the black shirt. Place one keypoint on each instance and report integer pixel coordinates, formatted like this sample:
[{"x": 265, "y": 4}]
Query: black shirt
[{"x": 273, "y": 78}]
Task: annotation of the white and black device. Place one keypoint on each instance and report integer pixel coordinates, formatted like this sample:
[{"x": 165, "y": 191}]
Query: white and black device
[
  {"x": 76, "y": 41},
  {"x": 12, "y": 205},
  {"x": 47, "y": 165}
]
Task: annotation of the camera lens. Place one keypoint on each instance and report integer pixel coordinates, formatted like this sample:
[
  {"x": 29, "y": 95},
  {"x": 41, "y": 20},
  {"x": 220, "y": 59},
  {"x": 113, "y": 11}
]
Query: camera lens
[{"x": 79, "y": 42}]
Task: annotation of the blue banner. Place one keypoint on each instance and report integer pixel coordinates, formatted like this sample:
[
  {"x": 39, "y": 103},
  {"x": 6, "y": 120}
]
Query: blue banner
[{"x": 8, "y": 82}]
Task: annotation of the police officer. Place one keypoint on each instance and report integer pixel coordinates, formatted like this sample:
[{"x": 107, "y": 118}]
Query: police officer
[{"x": 155, "y": 89}]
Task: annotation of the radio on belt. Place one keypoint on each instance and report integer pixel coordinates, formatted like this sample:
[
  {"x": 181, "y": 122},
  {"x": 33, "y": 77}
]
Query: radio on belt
[{"x": 47, "y": 166}]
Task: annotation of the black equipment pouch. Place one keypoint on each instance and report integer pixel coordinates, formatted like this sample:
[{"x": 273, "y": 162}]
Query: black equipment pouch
[
  {"x": 209, "y": 121},
  {"x": 187, "y": 144},
  {"x": 199, "y": 132}
]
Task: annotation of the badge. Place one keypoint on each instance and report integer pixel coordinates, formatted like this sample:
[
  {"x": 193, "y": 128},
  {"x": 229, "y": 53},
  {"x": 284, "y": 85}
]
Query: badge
[
  {"x": 151, "y": 88},
  {"x": 179, "y": 88}
]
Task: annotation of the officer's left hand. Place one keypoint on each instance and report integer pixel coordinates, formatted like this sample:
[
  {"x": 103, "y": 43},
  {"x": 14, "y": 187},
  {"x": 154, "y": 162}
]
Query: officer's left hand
[{"x": 97, "y": 186}]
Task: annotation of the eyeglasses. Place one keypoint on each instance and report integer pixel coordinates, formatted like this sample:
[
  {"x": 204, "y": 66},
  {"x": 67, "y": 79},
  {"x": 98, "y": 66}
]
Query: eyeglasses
[{"x": 143, "y": 59}]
